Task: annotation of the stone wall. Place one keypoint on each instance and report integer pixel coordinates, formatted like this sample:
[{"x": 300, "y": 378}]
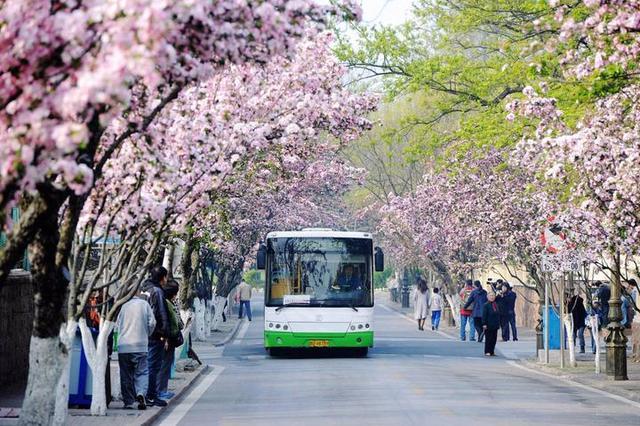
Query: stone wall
[{"x": 16, "y": 321}]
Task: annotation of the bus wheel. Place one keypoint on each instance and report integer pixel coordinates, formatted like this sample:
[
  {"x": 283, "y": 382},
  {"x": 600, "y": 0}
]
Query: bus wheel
[{"x": 362, "y": 352}]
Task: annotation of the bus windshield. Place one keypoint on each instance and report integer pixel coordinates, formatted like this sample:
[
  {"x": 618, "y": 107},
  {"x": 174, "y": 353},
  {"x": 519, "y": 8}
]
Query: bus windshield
[{"x": 319, "y": 272}]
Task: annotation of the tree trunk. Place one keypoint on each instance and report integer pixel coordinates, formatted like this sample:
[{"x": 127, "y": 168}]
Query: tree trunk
[
  {"x": 47, "y": 353},
  {"x": 199, "y": 325},
  {"x": 67, "y": 333},
  {"x": 167, "y": 260},
  {"x": 593, "y": 323},
  {"x": 568, "y": 324},
  {"x": 454, "y": 302},
  {"x": 97, "y": 358},
  {"x": 218, "y": 308}
]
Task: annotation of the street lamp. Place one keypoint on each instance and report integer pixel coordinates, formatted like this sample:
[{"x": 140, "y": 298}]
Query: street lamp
[{"x": 405, "y": 289}]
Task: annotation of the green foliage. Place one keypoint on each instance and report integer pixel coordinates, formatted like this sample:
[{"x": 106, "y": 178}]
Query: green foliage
[
  {"x": 380, "y": 278},
  {"x": 255, "y": 278}
]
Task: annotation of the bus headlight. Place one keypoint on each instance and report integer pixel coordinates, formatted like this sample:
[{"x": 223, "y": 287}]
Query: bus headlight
[
  {"x": 360, "y": 326},
  {"x": 353, "y": 327},
  {"x": 366, "y": 326},
  {"x": 285, "y": 327},
  {"x": 270, "y": 325}
]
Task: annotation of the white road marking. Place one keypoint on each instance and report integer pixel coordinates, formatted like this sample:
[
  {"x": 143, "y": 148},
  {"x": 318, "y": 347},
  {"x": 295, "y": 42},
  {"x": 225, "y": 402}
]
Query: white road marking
[
  {"x": 443, "y": 334},
  {"x": 250, "y": 357},
  {"x": 577, "y": 385},
  {"x": 432, "y": 356},
  {"x": 183, "y": 408},
  {"x": 241, "y": 333}
]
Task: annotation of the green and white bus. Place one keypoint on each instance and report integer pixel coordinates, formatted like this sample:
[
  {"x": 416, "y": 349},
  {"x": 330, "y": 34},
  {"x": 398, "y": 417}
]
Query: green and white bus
[{"x": 319, "y": 289}]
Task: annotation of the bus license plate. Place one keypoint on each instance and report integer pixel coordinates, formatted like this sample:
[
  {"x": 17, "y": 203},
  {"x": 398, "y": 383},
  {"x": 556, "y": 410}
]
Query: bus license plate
[{"x": 318, "y": 343}]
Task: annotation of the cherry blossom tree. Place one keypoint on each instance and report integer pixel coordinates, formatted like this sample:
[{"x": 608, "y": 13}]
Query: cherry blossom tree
[
  {"x": 86, "y": 77},
  {"x": 157, "y": 184}
]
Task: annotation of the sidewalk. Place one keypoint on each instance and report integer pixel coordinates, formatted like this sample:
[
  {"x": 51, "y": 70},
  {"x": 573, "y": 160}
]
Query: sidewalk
[
  {"x": 11, "y": 398},
  {"x": 524, "y": 348}
]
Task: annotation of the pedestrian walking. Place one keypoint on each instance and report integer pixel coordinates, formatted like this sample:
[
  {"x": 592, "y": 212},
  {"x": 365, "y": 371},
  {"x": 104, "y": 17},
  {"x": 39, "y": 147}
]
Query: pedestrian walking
[
  {"x": 174, "y": 339},
  {"x": 421, "y": 303},
  {"x": 134, "y": 325},
  {"x": 475, "y": 302},
  {"x": 244, "y": 294},
  {"x": 490, "y": 324},
  {"x": 152, "y": 289},
  {"x": 466, "y": 313},
  {"x": 575, "y": 306},
  {"x": 436, "y": 308}
]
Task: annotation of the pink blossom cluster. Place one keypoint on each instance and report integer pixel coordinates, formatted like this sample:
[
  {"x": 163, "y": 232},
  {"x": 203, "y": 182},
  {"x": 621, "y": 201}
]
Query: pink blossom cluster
[
  {"x": 600, "y": 162},
  {"x": 610, "y": 30},
  {"x": 69, "y": 69},
  {"x": 250, "y": 147}
]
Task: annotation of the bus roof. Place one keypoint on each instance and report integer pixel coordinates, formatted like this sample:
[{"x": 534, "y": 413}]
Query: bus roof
[{"x": 318, "y": 233}]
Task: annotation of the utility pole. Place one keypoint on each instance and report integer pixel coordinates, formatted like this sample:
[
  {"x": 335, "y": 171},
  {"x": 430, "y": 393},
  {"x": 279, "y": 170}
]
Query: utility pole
[
  {"x": 546, "y": 318},
  {"x": 616, "y": 341}
]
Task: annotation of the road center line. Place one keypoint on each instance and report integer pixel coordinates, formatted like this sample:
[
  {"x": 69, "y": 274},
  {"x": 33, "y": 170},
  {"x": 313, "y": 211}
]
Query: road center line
[
  {"x": 577, "y": 385},
  {"x": 241, "y": 333},
  {"x": 183, "y": 408}
]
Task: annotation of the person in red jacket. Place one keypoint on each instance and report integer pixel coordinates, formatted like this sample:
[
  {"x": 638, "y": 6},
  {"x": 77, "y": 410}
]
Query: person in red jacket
[{"x": 466, "y": 314}]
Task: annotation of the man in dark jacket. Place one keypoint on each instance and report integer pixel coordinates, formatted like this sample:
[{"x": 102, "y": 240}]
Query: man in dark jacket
[
  {"x": 490, "y": 324},
  {"x": 507, "y": 304},
  {"x": 604, "y": 294},
  {"x": 475, "y": 302},
  {"x": 575, "y": 306},
  {"x": 158, "y": 344}
]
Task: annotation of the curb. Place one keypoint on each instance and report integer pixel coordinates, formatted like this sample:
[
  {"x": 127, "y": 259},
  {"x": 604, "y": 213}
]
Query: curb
[
  {"x": 597, "y": 385},
  {"x": 231, "y": 335},
  {"x": 176, "y": 399}
]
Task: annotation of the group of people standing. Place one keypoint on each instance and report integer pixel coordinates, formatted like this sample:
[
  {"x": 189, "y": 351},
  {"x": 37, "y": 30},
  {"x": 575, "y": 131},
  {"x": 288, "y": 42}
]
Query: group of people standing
[
  {"x": 598, "y": 311},
  {"x": 483, "y": 312},
  {"x": 149, "y": 330}
]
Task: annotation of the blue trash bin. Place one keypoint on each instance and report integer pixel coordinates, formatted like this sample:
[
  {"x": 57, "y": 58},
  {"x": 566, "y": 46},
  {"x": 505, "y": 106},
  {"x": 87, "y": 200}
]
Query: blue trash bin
[
  {"x": 554, "y": 328},
  {"x": 80, "y": 378}
]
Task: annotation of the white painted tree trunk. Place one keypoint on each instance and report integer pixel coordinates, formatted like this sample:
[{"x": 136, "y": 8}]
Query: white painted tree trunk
[
  {"x": 593, "y": 323},
  {"x": 208, "y": 318},
  {"x": 96, "y": 353},
  {"x": 218, "y": 308},
  {"x": 454, "y": 302},
  {"x": 46, "y": 358},
  {"x": 199, "y": 319},
  {"x": 67, "y": 333},
  {"x": 568, "y": 324}
]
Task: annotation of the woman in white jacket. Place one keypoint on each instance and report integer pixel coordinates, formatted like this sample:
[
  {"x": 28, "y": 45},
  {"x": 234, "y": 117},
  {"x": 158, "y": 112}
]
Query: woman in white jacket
[{"x": 421, "y": 303}]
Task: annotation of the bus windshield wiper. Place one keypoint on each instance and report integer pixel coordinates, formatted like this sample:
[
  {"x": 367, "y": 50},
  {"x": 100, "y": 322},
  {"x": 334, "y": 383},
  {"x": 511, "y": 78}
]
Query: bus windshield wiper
[
  {"x": 279, "y": 308},
  {"x": 353, "y": 306}
]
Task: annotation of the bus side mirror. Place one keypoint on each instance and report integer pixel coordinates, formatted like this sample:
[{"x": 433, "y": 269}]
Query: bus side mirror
[
  {"x": 261, "y": 258},
  {"x": 379, "y": 259}
]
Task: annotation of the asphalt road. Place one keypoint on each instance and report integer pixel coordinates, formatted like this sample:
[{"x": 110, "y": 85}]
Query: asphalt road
[{"x": 409, "y": 378}]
